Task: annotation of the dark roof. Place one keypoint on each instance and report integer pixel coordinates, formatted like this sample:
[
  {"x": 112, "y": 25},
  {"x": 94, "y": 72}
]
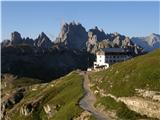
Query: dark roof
[{"x": 114, "y": 50}]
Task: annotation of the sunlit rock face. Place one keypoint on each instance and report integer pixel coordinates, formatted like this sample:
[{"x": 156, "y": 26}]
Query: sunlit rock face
[{"x": 72, "y": 36}]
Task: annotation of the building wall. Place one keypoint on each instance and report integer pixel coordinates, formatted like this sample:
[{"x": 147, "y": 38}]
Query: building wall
[
  {"x": 115, "y": 58},
  {"x": 101, "y": 59}
]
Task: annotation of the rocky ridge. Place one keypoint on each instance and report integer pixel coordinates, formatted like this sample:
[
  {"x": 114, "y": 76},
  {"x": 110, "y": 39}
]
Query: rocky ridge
[
  {"x": 149, "y": 43},
  {"x": 74, "y": 36}
]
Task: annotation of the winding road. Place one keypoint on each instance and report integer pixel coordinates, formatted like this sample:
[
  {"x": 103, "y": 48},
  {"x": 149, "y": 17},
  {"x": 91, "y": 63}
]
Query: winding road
[{"x": 87, "y": 102}]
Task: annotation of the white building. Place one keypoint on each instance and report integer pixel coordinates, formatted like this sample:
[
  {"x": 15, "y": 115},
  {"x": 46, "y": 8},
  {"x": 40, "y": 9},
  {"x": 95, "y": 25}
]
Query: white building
[
  {"x": 109, "y": 56},
  {"x": 101, "y": 60}
]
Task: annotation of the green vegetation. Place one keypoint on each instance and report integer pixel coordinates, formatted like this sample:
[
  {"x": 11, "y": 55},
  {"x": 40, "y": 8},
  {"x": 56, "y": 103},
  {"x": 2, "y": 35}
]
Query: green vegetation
[
  {"x": 61, "y": 95},
  {"x": 123, "y": 78},
  {"x": 108, "y": 102},
  {"x": 121, "y": 109},
  {"x": 24, "y": 81}
]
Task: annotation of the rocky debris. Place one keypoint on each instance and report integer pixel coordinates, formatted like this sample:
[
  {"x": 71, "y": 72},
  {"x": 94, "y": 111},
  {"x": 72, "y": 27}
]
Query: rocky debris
[
  {"x": 142, "y": 106},
  {"x": 84, "y": 116},
  {"x": 29, "y": 107},
  {"x": 50, "y": 110},
  {"x": 10, "y": 101},
  {"x": 6, "y": 80},
  {"x": 72, "y": 36},
  {"x": 154, "y": 95},
  {"x": 16, "y": 38},
  {"x": 110, "y": 113},
  {"x": 43, "y": 41}
]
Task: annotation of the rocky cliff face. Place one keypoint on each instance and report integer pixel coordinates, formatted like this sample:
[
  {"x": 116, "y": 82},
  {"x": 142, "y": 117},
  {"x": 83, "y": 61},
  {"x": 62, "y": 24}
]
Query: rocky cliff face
[
  {"x": 43, "y": 41},
  {"x": 16, "y": 38},
  {"x": 72, "y": 36},
  {"x": 97, "y": 39}
]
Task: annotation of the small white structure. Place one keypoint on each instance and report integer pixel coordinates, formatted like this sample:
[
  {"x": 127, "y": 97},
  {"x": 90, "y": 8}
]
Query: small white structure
[
  {"x": 101, "y": 60},
  {"x": 109, "y": 56}
]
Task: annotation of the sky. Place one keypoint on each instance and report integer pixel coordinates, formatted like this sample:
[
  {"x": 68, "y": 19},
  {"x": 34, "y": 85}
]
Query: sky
[{"x": 31, "y": 18}]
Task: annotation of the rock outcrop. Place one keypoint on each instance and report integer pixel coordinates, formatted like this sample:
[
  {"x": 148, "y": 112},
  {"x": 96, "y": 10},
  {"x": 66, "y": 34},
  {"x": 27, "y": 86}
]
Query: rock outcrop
[
  {"x": 72, "y": 36},
  {"x": 5, "y": 43},
  {"x": 9, "y": 101},
  {"x": 97, "y": 39},
  {"x": 16, "y": 38},
  {"x": 43, "y": 41},
  {"x": 98, "y": 34},
  {"x": 142, "y": 106}
]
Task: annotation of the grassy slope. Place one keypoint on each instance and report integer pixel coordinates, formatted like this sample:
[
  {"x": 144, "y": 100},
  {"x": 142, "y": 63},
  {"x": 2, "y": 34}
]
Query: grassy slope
[
  {"x": 65, "y": 94},
  {"x": 123, "y": 78}
]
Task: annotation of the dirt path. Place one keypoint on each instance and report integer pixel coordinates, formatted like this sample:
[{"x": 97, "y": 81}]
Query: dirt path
[{"x": 87, "y": 102}]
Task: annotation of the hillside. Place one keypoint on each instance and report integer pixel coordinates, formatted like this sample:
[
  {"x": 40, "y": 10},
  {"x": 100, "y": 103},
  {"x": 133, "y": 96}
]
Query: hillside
[
  {"x": 134, "y": 82},
  {"x": 56, "y": 100}
]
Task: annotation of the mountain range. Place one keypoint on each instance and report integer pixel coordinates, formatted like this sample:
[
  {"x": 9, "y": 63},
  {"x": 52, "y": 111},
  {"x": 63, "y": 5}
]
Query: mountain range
[
  {"x": 148, "y": 43},
  {"x": 74, "y": 36},
  {"x": 74, "y": 48}
]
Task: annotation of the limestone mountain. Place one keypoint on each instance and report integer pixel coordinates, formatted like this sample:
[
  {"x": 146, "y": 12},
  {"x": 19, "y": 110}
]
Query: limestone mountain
[
  {"x": 43, "y": 41},
  {"x": 149, "y": 43},
  {"x": 72, "y": 36},
  {"x": 16, "y": 38},
  {"x": 98, "y": 39}
]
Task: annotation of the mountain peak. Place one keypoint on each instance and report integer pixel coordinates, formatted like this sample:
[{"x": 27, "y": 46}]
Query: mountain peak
[
  {"x": 43, "y": 41},
  {"x": 16, "y": 38},
  {"x": 73, "y": 35}
]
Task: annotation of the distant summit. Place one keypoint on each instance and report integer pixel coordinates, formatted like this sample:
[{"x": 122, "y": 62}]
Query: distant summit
[{"x": 148, "y": 43}]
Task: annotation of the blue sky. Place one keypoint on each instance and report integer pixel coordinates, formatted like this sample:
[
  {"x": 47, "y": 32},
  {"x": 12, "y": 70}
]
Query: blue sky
[{"x": 31, "y": 18}]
